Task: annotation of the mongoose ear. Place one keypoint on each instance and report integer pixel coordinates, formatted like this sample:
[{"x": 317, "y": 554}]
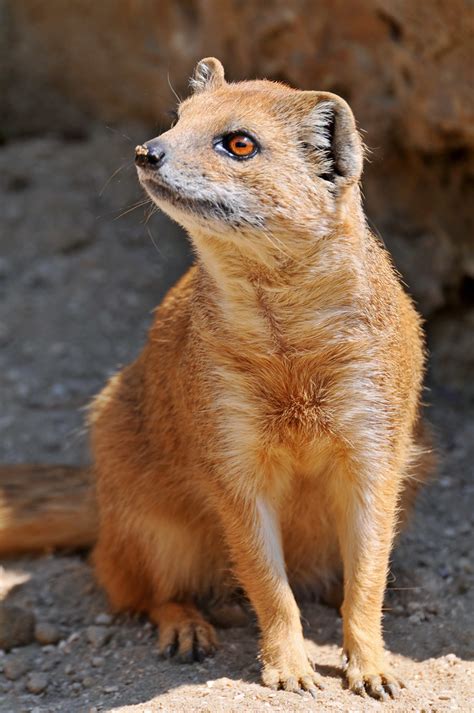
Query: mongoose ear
[
  {"x": 330, "y": 129},
  {"x": 209, "y": 74}
]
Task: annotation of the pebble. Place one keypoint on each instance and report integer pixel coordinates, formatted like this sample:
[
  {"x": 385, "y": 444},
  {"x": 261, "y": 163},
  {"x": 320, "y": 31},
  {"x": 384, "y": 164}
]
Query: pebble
[
  {"x": 97, "y": 635},
  {"x": 103, "y": 619},
  {"x": 17, "y": 626},
  {"x": 97, "y": 661},
  {"x": 46, "y": 633},
  {"x": 110, "y": 689},
  {"x": 15, "y": 668},
  {"x": 36, "y": 683}
]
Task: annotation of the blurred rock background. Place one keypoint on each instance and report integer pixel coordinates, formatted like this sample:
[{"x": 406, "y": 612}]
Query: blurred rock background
[{"x": 81, "y": 82}]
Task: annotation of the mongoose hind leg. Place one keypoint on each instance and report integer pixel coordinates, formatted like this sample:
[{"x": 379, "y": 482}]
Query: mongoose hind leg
[
  {"x": 184, "y": 634},
  {"x": 120, "y": 573},
  {"x": 183, "y": 631}
]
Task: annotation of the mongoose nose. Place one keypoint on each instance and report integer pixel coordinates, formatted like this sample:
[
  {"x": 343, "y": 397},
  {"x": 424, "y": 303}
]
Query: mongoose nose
[{"x": 150, "y": 155}]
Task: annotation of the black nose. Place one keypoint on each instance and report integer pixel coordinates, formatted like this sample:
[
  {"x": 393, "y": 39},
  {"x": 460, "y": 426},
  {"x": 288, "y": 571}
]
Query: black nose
[{"x": 150, "y": 155}]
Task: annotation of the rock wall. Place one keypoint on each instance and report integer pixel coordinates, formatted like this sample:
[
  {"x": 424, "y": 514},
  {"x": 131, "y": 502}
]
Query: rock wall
[{"x": 404, "y": 65}]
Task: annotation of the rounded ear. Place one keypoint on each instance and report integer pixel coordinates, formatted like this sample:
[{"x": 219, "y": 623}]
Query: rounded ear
[
  {"x": 209, "y": 74},
  {"x": 330, "y": 128}
]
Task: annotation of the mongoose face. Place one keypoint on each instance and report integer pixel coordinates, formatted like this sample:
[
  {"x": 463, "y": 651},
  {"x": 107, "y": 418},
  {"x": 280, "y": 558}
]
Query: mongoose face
[{"x": 253, "y": 157}]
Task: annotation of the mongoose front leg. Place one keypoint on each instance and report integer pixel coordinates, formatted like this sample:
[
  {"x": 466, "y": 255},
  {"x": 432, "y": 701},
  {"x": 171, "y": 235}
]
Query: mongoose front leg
[
  {"x": 366, "y": 529},
  {"x": 253, "y": 536}
]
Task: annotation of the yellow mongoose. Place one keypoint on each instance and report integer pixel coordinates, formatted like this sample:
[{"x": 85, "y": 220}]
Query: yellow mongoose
[{"x": 270, "y": 427}]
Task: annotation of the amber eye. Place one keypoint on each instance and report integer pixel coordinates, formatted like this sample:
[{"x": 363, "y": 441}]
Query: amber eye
[
  {"x": 241, "y": 145},
  {"x": 238, "y": 145}
]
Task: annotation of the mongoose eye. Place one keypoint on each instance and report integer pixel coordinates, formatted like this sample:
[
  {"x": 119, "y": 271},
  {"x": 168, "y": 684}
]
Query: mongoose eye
[{"x": 238, "y": 145}]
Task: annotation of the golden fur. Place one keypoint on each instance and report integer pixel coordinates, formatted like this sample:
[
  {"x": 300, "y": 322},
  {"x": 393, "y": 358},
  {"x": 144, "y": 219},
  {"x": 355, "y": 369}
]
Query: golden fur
[{"x": 269, "y": 430}]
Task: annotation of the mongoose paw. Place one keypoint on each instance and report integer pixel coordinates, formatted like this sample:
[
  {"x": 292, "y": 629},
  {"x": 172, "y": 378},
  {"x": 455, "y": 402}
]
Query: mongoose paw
[
  {"x": 186, "y": 637},
  {"x": 294, "y": 673},
  {"x": 377, "y": 682}
]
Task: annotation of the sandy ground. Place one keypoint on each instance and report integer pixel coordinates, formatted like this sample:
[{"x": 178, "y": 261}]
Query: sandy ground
[{"x": 76, "y": 287}]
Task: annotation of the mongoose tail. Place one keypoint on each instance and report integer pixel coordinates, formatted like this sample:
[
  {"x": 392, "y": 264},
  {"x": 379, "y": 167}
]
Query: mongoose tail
[{"x": 45, "y": 508}]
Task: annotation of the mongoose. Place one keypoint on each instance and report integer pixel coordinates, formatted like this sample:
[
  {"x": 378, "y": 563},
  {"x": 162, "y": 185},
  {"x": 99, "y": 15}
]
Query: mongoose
[{"x": 268, "y": 437}]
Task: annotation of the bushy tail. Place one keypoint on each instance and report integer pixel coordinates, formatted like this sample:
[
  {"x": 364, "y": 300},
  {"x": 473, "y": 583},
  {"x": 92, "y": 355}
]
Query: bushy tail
[{"x": 46, "y": 507}]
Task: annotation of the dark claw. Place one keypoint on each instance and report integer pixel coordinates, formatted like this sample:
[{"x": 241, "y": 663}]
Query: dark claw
[
  {"x": 170, "y": 651},
  {"x": 199, "y": 654},
  {"x": 186, "y": 658},
  {"x": 359, "y": 688}
]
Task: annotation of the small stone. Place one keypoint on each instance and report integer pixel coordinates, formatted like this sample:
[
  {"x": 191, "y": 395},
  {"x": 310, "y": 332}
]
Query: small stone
[
  {"x": 15, "y": 668},
  {"x": 75, "y": 636},
  {"x": 103, "y": 619},
  {"x": 36, "y": 683},
  {"x": 46, "y": 633},
  {"x": 97, "y": 661},
  {"x": 88, "y": 681},
  {"x": 16, "y": 626},
  {"x": 97, "y": 635},
  {"x": 110, "y": 689}
]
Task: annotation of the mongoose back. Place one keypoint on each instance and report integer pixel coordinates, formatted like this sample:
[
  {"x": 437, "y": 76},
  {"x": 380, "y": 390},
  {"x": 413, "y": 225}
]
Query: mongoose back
[{"x": 267, "y": 437}]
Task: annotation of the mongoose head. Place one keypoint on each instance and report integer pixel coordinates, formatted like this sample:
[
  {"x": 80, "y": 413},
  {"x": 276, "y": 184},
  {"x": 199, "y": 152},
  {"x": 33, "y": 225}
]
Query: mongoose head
[{"x": 252, "y": 158}]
